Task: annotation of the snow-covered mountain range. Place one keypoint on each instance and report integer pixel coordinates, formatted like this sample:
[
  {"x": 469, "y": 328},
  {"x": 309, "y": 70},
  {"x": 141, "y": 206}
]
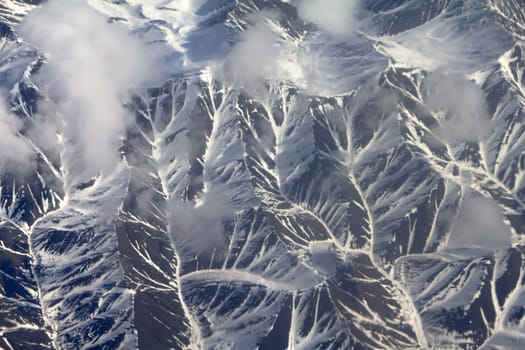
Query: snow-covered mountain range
[{"x": 262, "y": 174}]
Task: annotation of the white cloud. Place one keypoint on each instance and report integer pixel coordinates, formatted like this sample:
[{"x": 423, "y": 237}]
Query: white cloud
[
  {"x": 200, "y": 227},
  {"x": 334, "y": 16},
  {"x": 322, "y": 257},
  {"x": 462, "y": 105},
  {"x": 332, "y": 66},
  {"x": 256, "y": 49},
  {"x": 16, "y": 154},
  {"x": 319, "y": 63},
  {"x": 479, "y": 224},
  {"x": 90, "y": 65},
  {"x": 456, "y": 41},
  {"x": 262, "y": 54}
]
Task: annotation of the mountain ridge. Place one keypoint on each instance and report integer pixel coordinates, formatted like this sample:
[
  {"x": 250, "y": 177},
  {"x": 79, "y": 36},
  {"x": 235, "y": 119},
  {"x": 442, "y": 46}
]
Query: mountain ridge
[{"x": 263, "y": 209}]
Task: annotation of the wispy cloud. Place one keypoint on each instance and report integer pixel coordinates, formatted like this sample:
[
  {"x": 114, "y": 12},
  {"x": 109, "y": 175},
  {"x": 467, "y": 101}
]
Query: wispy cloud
[
  {"x": 479, "y": 224},
  {"x": 338, "y": 17},
  {"x": 261, "y": 53},
  {"x": 326, "y": 60},
  {"x": 199, "y": 227},
  {"x": 90, "y": 66},
  {"x": 16, "y": 154},
  {"x": 252, "y": 56},
  {"x": 462, "y": 105},
  {"x": 455, "y": 41}
]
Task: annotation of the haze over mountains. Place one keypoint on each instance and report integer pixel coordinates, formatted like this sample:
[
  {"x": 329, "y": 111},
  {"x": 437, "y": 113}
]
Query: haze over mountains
[{"x": 262, "y": 174}]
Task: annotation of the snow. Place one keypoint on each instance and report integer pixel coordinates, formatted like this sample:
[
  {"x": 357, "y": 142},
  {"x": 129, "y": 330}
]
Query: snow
[{"x": 337, "y": 222}]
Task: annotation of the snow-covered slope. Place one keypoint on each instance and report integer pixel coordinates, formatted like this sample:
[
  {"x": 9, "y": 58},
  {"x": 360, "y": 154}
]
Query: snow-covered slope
[{"x": 284, "y": 184}]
